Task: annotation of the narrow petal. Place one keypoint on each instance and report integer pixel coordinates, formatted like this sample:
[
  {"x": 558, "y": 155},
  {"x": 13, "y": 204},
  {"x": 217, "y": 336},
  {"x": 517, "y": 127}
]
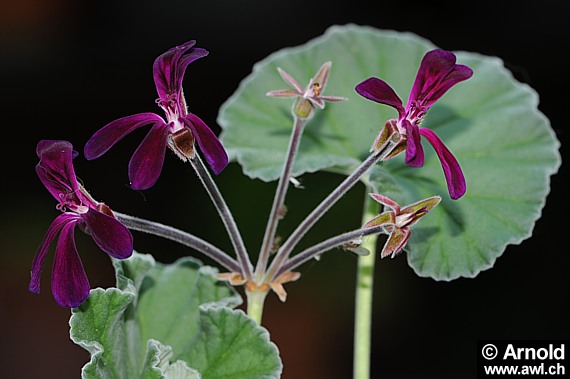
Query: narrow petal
[
  {"x": 453, "y": 174},
  {"x": 164, "y": 67},
  {"x": 109, "y": 234},
  {"x": 435, "y": 65},
  {"x": 396, "y": 242},
  {"x": 114, "y": 131},
  {"x": 55, "y": 168},
  {"x": 458, "y": 74},
  {"x": 146, "y": 163},
  {"x": 436, "y": 75},
  {"x": 50, "y": 235},
  {"x": 211, "y": 147},
  {"x": 379, "y": 91},
  {"x": 69, "y": 283},
  {"x": 169, "y": 68},
  {"x": 414, "y": 149}
]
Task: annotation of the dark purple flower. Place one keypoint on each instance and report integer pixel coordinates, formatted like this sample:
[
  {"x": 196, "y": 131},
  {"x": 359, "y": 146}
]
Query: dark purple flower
[
  {"x": 179, "y": 132},
  {"x": 70, "y": 286},
  {"x": 438, "y": 72}
]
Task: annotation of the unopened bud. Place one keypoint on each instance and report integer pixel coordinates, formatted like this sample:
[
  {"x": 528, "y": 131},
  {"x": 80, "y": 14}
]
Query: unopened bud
[
  {"x": 388, "y": 138},
  {"x": 303, "y": 108}
]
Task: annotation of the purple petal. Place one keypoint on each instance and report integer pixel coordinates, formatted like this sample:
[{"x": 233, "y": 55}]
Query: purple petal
[
  {"x": 436, "y": 75},
  {"x": 109, "y": 234},
  {"x": 55, "y": 168},
  {"x": 114, "y": 131},
  {"x": 146, "y": 163},
  {"x": 213, "y": 150},
  {"x": 69, "y": 283},
  {"x": 379, "y": 91},
  {"x": 458, "y": 74},
  {"x": 453, "y": 174},
  {"x": 50, "y": 235},
  {"x": 168, "y": 68},
  {"x": 414, "y": 149}
]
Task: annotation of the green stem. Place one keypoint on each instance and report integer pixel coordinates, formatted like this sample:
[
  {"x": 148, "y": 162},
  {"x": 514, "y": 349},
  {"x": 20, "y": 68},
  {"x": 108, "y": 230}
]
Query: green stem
[
  {"x": 255, "y": 300},
  {"x": 363, "y": 306}
]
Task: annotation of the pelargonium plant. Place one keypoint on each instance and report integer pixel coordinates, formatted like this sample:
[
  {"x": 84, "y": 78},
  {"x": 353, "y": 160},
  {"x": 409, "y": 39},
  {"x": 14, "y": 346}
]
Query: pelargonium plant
[{"x": 179, "y": 320}]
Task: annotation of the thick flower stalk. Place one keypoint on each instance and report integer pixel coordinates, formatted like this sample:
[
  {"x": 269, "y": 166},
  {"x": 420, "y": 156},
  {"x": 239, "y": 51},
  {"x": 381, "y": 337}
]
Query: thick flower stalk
[
  {"x": 438, "y": 72},
  {"x": 397, "y": 221},
  {"x": 179, "y": 131},
  {"x": 70, "y": 286}
]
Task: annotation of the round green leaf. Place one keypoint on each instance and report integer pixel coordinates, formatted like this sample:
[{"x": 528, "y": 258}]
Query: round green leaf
[
  {"x": 490, "y": 122},
  {"x": 232, "y": 345},
  {"x": 170, "y": 297}
]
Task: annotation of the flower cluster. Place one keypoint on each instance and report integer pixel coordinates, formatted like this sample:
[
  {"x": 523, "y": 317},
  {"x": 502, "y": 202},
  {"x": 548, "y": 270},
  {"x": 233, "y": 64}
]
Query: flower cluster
[{"x": 180, "y": 130}]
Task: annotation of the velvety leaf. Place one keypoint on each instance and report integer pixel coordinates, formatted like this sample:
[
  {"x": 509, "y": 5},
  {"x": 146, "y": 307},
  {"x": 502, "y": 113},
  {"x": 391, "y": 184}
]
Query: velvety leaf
[
  {"x": 97, "y": 326},
  {"x": 169, "y": 300},
  {"x": 491, "y": 123},
  {"x": 231, "y": 345},
  {"x": 157, "y": 364},
  {"x": 120, "y": 326}
]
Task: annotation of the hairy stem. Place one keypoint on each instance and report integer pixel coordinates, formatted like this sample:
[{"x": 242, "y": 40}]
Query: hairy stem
[
  {"x": 226, "y": 216},
  {"x": 363, "y": 305},
  {"x": 176, "y": 235},
  {"x": 327, "y": 245},
  {"x": 318, "y": 212},
  {"x": 279, "y": 199}
]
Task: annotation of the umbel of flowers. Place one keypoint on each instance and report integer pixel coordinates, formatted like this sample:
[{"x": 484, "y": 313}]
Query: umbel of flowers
[{"x": 182, "y": 130}]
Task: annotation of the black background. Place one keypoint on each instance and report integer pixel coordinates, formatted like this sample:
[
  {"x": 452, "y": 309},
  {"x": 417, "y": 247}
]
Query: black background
[{"x": 67, "y": 68}]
